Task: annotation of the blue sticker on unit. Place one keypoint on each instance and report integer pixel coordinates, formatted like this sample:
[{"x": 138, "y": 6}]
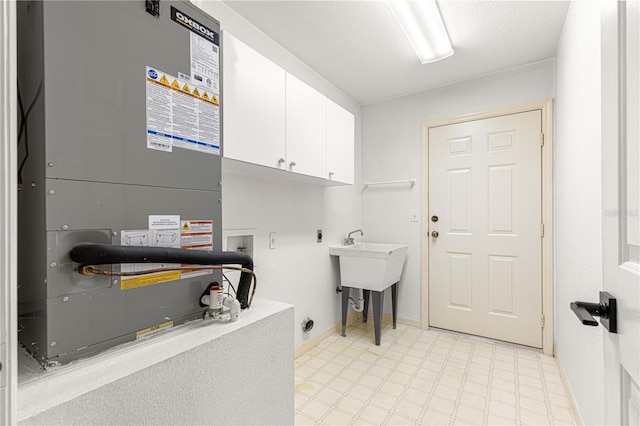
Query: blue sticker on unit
[{"x": 153, "y": 74}]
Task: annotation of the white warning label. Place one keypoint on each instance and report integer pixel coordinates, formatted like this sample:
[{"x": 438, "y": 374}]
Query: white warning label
[
  {"x": 181, "y": 115},
  {"x": 196, "y": 235}
]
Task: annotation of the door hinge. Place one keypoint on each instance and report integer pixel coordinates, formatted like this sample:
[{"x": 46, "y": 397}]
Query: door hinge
[
  {"x": 542, "y": 229},
  {"x": 542, "y": 320},
  {"x": 541, "y": 139}
]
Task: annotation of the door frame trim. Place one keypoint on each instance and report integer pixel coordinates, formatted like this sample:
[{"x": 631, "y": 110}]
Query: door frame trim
[
  {"x": 546, "y": 108},
  {"x": 8, "y": 213}
]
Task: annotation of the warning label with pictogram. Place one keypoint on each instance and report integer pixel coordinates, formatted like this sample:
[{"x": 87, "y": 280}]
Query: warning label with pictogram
[
  {"x": 180, "y": 118},
  {"x": 196, "y": 235}
]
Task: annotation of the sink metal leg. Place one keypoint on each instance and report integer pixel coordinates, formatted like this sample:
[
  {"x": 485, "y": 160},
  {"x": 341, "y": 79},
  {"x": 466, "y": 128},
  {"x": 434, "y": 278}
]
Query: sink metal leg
[
  {"x": 394, "y": 303},
  {"x": 365, "y": 310},
  {"x": 378, "y": 298},
  {"x": 345, "y": 306}
]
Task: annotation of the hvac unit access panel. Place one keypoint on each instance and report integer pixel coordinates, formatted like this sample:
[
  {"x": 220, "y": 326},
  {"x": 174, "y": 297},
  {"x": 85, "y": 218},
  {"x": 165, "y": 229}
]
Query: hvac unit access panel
[{"x": 125, "y": 127}]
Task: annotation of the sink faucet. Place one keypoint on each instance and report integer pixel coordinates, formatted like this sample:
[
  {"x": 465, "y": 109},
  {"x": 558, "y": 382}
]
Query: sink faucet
[{"x": 349, "y": 240}]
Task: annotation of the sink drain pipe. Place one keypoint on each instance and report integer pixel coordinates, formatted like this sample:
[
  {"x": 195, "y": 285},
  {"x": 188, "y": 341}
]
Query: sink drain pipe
[{"x": 359, "y": 305}]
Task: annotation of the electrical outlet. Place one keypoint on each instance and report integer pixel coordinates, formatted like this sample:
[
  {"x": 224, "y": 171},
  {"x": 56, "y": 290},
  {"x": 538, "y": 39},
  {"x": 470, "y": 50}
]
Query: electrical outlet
[
  {"x": 272, "y": 240},
  {"x": 413, "y": 215}
]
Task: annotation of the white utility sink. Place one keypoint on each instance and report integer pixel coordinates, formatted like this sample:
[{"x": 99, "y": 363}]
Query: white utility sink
[{"x": 370, "y": 266}]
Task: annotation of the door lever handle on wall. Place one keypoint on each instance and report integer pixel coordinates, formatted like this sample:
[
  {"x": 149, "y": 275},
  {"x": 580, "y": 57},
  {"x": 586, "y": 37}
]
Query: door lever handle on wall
[{"x": 606, "y": 310}]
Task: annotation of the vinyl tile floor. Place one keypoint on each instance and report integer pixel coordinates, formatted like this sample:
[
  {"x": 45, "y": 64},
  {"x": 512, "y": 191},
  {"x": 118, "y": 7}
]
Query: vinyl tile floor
[{"x": 429, "y": 377}]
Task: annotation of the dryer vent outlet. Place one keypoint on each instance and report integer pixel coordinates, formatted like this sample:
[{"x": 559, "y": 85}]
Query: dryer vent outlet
[{"x": 307, "y": 324}]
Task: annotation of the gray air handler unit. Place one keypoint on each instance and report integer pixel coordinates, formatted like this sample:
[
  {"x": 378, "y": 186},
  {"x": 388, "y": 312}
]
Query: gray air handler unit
[{"x": 119, "y": 153}]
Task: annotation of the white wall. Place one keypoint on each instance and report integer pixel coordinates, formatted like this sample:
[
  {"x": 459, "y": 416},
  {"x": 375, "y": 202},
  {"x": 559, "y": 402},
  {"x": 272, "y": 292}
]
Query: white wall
[
  {"x": 299, "y": 271},
  {"x": 391, "y": 150},
  {"x": 578, "y": 245}
]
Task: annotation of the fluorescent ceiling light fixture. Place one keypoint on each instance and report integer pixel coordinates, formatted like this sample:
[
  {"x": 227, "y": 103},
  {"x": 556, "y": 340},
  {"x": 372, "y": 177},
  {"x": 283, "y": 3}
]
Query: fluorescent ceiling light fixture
[{"x": 422, "y": 24}]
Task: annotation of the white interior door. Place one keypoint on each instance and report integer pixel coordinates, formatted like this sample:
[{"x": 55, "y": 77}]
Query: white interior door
[
  {"x": 485, "y": 249},
  {"x": 621, "y": 204}
]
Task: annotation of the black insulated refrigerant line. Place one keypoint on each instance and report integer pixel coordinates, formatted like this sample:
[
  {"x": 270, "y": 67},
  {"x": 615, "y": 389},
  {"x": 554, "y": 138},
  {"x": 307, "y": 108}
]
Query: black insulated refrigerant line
[{"x": 106, "y": 254}]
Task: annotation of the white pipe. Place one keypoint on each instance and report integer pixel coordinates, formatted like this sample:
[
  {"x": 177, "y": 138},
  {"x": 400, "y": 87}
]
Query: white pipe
[
  {"x": 359, "y": 306},
  {"x": 234, "y": 307}
]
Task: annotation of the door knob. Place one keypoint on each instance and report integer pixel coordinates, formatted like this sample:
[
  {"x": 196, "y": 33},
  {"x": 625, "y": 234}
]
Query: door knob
[
  {"x": 434, "y": 234},
  {"x": 606, "y": 310}
]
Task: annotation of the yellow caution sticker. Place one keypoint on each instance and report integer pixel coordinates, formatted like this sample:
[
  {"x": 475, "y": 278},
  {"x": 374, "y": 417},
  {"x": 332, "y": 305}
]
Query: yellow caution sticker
[
  {"x": 214, "y": 99},
  {"x": 148, "y": 332},
  {"x": 164, "y": 80},
  {"x": 205, "y": 96},
  {"x": 185, "y": 226},
  {"x": 151, "y": 279},
  {"x": 175, "y": 84},
  {"x": 195, "y": 91},
  {"x": 185, "y": 88}
]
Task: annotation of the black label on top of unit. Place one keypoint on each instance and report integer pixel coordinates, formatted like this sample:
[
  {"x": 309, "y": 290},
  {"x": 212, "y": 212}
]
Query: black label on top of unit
[{"x": 195, "y": 26}]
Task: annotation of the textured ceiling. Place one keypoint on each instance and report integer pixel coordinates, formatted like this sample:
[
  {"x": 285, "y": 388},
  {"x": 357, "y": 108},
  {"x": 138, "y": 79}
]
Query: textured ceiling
[{"x": 359, "y": 47}]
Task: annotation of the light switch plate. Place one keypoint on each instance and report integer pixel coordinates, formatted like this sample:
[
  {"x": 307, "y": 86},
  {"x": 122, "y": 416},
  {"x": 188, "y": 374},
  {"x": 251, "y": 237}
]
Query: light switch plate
[
  {"x": 272, "y": 240},
  {"x": 413, "y": 215}
]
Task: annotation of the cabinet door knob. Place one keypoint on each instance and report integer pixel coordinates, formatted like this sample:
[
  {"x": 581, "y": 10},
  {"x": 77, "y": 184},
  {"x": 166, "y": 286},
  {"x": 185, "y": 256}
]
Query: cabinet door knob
[
  {"x": 331, "y": 174},
  {"x": 281, "y": 161},
  {"x": 291, "y": 164}
]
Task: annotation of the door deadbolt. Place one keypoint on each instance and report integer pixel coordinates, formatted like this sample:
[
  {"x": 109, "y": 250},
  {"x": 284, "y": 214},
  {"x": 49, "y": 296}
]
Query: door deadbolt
[
  {"x": 434, "y": 218},
  {"x": 434, "y": 234}
]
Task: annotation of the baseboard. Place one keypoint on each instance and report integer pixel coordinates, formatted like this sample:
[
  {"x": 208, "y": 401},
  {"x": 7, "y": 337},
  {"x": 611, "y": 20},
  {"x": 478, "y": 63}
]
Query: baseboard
[
  {"x": 315, "y": 340},
  {"x": 351, "y": 318},
  {"x": 404, "y": 321},
  {"x": 572, "y": 400}
]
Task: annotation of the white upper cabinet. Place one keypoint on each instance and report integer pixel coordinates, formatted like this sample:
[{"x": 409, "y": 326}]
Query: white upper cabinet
[
  {"x": 340, "y": 143},
  {"x": 273, "y": 119},
  {"x": 254, "y": 106},
  {"x": 306, "y": 129}
]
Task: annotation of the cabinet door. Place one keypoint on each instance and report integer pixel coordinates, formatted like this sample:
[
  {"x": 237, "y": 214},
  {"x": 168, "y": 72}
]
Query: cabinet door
[
  {"x": 306, "y": 129},
  {"x": 253, "y": 106},
  {"x": 340, "y": 143}
]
